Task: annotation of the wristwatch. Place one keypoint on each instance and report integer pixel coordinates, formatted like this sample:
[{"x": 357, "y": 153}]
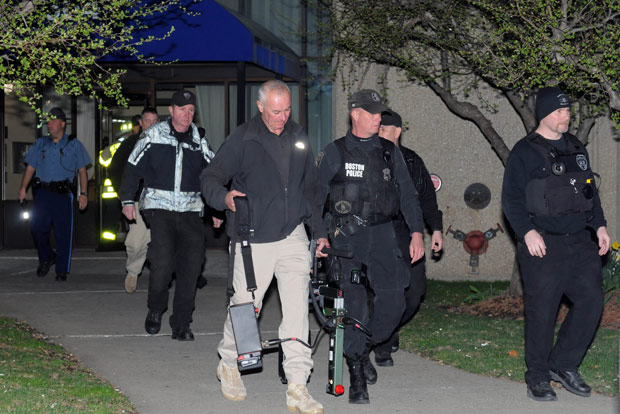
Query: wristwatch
[{"x": 82, "y": 193}]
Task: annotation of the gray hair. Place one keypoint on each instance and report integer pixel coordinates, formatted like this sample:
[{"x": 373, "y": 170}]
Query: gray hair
[{"x": 269, "y": 86}]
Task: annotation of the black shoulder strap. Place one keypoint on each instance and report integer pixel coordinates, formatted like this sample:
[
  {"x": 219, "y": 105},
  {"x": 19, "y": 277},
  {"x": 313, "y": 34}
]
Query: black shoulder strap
[
  {"x": 388, "y": 152},
  {"x": 243, "y": 225},
  {"x": 542, "y": 146},
  {"x": 574, "y": 142}
]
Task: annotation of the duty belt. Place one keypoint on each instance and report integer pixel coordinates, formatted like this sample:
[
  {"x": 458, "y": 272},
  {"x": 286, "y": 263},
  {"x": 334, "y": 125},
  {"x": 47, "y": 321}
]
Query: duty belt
[
  {"x": 553, "y": 233},
  {"x": 55, "y": 186},
  {"x": 372, "y": 220}
]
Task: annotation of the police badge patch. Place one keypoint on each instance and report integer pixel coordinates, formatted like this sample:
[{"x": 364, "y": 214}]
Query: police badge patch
[
  {"x": 387, "y": 176},
  {"x": 343, "y": 207},
  {"x": 582, "y": 161}
]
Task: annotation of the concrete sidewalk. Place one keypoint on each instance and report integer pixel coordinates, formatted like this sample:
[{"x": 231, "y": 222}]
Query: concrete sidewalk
[{"x": 93, "y": 317}]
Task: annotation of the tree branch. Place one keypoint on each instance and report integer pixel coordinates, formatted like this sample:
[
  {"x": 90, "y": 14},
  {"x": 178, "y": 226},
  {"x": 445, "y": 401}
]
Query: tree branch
[
  {"x": 524, "y": 108},
  {"x": 471, "y": 112}
]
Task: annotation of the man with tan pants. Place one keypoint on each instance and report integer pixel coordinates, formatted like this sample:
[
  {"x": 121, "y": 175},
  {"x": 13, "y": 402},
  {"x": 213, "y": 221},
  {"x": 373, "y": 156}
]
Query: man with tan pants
[
  {"x": 269, "y": 160},
  {"x": 136, "y": 245},
  {"x": 139, "y": 235}
]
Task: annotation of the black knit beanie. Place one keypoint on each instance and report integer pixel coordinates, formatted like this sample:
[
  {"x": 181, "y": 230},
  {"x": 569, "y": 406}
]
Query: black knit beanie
[{"x": 548, "y": 100}]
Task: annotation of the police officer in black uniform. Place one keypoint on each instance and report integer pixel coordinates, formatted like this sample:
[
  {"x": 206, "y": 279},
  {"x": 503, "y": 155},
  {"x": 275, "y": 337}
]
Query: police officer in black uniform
[
  {"x": 550, "y": 199},
  {"x": 368, "y": 184},
  {"x": 390, "y": 129}
]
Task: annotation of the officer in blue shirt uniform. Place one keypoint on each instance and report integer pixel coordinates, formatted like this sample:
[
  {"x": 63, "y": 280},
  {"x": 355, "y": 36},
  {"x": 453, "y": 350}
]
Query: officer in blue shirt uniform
[{"x": 53, "y": 161}]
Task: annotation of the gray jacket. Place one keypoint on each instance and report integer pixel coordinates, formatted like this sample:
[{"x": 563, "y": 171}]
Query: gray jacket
[{"x": 170, "y": 165}]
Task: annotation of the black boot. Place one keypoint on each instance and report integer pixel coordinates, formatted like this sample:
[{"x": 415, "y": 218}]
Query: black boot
[
  {"x": 369, "y": 370},
  {"x": 358, "y": 391}
]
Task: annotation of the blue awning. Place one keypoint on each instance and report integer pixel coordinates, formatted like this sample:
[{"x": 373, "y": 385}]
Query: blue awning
[{"x": 213, "y": 33}]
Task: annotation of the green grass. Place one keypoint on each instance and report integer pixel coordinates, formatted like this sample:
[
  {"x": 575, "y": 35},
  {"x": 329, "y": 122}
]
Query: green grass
[
  {"x": 38, "y": 376},
  {"x": 493, "y": 347}
]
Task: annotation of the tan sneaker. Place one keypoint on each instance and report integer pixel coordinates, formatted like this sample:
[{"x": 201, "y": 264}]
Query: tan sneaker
[
  {"x": 232, "y": 386},
  {"x": 298, "y": 399},
  {"x": 130, "y": 283}
]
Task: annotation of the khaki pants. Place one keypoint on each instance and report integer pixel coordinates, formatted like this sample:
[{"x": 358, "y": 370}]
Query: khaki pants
[
  {"x": 289, "y": 260},
  {"x": 136, "y": 244}
]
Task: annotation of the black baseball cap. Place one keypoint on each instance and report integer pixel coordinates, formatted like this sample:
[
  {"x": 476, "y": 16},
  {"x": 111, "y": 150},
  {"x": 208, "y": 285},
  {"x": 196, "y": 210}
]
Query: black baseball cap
[
  {"x": 57, "y": 113},
  {"x": 369, "y": 100},
  {"x": 390, "y": 117},
  {"x": 548, "y": 100},
  {"x": 182, "y": 98}
]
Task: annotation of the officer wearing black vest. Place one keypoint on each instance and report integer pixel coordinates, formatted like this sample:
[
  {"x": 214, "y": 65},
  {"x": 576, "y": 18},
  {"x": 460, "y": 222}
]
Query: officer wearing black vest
[
  {"x": 390, "y": 129},
  {"x": 550, "y": 198},
  {"x": 368, "y": 184}
]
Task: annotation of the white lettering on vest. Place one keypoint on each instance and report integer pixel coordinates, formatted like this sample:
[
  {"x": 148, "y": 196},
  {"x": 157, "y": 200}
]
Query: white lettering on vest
[{"x": 354, "y": 170}]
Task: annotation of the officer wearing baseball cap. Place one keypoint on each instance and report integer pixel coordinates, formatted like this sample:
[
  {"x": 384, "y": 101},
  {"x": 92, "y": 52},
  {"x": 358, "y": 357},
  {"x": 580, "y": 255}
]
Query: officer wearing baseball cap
[
  {"x": 54, "y": 161},
  {"x": 169, "y": 157},
  {"x": 368, "y": 100},
  {"x": 550, "y": 199},
  {"x": 368, "y": 185},
  {"x": 390, "y": 129},
  {"x": 182, "y": 98}
]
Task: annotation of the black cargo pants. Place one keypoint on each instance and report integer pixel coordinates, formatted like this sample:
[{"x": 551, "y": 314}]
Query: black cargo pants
[
  {"x": 176, "y": 247},
  {"x": 571, "y": 268},
  {"x": 376, "y": 248}
]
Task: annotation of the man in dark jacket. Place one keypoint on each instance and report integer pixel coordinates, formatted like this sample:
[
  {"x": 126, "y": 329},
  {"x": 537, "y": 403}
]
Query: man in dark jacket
[
  {"x": 550, "y": 199},
  {"x": 269, "y": 160},
  {"x": 390, "y": 129},
  {"x": 139, "y": 235},
  {"x": 169, "y": 158}
]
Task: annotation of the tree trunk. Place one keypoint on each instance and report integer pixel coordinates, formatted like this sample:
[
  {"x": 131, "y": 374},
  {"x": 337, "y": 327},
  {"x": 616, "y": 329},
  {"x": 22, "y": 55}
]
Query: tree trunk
[{"x": 516, "y": 285}]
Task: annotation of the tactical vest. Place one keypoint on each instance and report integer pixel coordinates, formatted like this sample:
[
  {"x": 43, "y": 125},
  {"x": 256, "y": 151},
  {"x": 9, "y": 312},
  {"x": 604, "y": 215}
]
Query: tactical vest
[
  {"x": 565, "y": 184},
  {"x": 365, "y": 185}
]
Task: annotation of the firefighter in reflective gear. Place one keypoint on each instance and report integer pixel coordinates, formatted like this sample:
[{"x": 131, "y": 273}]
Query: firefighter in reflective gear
[
  {"x": 549, "y": 197},
  {"x": 368, "y": 184}
]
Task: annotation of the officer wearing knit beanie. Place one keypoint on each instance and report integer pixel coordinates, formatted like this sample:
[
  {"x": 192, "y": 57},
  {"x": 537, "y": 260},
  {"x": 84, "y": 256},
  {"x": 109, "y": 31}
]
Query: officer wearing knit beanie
[
  {"x": 548, "y": 100},
  {"x": 550, "y": 199}
]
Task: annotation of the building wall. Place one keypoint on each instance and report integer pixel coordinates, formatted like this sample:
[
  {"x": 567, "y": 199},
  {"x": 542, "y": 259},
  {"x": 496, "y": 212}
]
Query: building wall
[
  {"x": 21, "y": 128},
  {"x": 457, "y": 152}
]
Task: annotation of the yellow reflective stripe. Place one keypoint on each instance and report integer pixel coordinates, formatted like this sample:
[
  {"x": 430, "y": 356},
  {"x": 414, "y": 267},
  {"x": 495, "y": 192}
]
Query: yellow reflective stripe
[
  {"x": 111, "y": 150},
  {"x": 108, "y": 235}
]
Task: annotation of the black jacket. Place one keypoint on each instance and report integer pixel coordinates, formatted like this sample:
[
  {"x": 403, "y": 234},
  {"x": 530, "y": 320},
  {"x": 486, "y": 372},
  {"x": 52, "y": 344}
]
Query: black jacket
[
  {"x": 119, "y": 160},
  {"x": 277, "y": 207},
  {"x": 425, "y": 188}
]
